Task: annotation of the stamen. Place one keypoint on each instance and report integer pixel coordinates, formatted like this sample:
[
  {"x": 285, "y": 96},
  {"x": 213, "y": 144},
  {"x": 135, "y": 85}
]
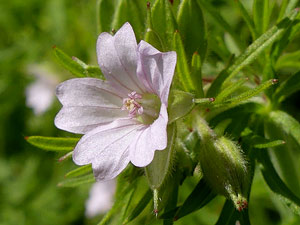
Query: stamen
[{"x": 132, "y": 105}]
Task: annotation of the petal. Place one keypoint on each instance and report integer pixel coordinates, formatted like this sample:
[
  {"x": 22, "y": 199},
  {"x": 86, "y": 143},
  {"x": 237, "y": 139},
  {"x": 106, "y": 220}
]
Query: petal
[
  {"x": 87, "y": 103},
  {"x": 106, "y": 147},
  {"x": 118, "y": 60},
  {"x": 155, "y": 69},
  {"x": 82, "y": 119},
  {"x": 88, "y": 92},
  {"x": 149, "y": 139}
]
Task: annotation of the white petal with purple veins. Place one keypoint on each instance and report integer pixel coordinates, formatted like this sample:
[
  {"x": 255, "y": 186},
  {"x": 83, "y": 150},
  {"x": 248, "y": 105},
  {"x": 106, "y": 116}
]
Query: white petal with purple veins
[
  {"x": 149, "y": 139},
  {"x": 156, "y": 69},
  {"x": 106, "y": 147},
  {"x": 82, "y": 119},
  {"x": 117, "y": 58}
]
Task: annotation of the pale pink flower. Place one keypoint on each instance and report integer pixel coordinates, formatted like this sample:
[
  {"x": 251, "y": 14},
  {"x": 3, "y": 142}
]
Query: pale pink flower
[
  {"x": 40, "y": 93},
  {"x": 101, "y": 198},
  {"x": 124, "y": 118}
]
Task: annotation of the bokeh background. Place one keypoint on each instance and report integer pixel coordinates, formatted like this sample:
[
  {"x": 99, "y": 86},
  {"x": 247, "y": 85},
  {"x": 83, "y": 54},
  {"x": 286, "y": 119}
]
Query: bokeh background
[{"x": 28, "y": 176}]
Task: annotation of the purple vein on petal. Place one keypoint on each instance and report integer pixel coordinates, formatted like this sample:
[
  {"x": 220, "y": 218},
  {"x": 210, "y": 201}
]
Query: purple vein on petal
[
  {"x": 114, "y": 78},
  {"x": 129, "y": 74},
  {"x": 112, "y": 93},
  {"x": 135, "y": 128},
  {"x": 146, "y": 78}
]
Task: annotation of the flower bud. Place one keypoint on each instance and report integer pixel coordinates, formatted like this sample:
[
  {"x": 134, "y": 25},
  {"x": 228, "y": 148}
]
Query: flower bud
[{"x": 225, "y": 169}]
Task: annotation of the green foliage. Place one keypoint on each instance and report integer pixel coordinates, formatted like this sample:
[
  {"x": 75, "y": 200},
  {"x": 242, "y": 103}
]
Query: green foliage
[
  {"x": 242, "y": 100},
  {"x": 52, "y": 143},
  {"x": 76, "y": 66}
]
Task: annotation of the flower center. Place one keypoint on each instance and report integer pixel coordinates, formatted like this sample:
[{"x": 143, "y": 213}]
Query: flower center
[
  {"x": 131, "y": 104},
  {"x": 144, "y": 108}
]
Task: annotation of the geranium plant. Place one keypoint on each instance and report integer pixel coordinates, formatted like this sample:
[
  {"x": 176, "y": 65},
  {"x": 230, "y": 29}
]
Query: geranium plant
[{"x": 181, "y": 93}]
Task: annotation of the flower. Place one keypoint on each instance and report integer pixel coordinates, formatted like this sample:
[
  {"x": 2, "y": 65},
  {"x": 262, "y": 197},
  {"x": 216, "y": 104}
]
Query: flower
[
  {"x": 39, "y": 94},
  {"x": 100, "y": 199},
  {"x": 124, "y": 118}
]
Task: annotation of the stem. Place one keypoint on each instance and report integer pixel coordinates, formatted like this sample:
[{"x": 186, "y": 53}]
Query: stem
[{"x": 203, "y": 129}]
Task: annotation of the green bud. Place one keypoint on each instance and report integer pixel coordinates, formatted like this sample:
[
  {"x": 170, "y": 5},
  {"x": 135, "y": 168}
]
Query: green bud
[{"x": 224, "y": 166}]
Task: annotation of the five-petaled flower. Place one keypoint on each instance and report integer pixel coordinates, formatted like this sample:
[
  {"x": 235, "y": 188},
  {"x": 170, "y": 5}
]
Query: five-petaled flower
[{"x": 124, "y": 118}]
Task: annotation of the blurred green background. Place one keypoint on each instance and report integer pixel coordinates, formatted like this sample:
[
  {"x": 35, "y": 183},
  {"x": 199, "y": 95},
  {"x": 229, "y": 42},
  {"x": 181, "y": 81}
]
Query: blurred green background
[{"x": 28, "y": 177}]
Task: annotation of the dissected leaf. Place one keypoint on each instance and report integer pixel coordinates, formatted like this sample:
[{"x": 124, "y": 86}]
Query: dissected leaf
[
  {"x": 289, "y": 60},
  {"x": 192, "y": 28},
  {"x": 208, "y": 7},
  {"x": 247, "y": 18},
  {"x": 74, "y": 182},
  {"x": 229, "y": 90},
  {"x": 258, "y": 46},
  {"x": 68, "y": 63},
  {"x": 79, "y": 171},
  {"x": 76, "y": 66},
  {"x": 287, "y": 88},
  {"x": 200, "y": 196},
  {"x": 182, "y": 67},
  {"x": 276, "y": 184},
  {"x": 164, "y": 22},
  {"x": 132, "y": 11},
  {"x": 196, "y": 74},
  {"x": 105, "y": 13},
  {"x": 286, "y": 123},
  {"x": 53, "y": 143},
  {"x": 251, "y": 93},
  {"x": 139, "y": 207}
]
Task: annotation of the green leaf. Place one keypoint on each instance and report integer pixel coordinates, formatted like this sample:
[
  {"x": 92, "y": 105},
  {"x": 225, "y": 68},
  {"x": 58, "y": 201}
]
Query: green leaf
[
  {"x": 287, "y": 60},
  {"x": 286, "y": 123},
  {"x": 276, "y": 184},
  {"x": 76, "y": 66},
  {"x": 143, "y": 202},
  {"x": 105, "y": 13},
  {"x": 192, "y": 28},
  {"x": 180, "y": 104},
  {"x": 259, "y": 142},
  {"x": 287, "y": 88},
  {"x": 79, "y": 171},
  {"x": 94, "y": 71},
  {"x": 53, "y": 143},
  {"x": 200, "y": 196},
  {"x": 215, "y": 15},
  {"x": 164, "y": 23},
  {"x": 249, "y": 94},
  {"x": 261, "y": 15},
  {"x": 229, "y": 90},
  {"x": 68, "y": 63},
  {"x": 182, "y": 67},
  {"x": 132, "y": 11},
  {"x": 160, "y": 167},
  {"x": 151, "y": 36},
  {"x": 258, "y": 46},
  {"x": 247, "y": 18},
  {"x": 216, "y": 85},
  {"x": 74, "y": 182},
  {"x": 289, "y": 34},
  {"x": 291, "y": 6},
  {"x": 284, "y": 155},
  {"x": 228, "y": 215},
  {"x": 197, "y": 74}
]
